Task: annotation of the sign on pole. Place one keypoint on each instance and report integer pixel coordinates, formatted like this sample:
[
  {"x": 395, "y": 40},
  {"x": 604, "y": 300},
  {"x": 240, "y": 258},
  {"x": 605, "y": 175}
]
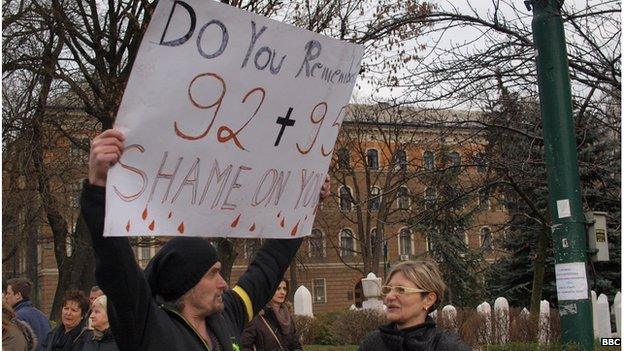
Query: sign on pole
[{"x": 230, "y": 121}]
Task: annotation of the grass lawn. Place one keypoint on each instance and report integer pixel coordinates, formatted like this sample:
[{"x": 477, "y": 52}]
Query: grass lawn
[{"x": 329, "y": 348}]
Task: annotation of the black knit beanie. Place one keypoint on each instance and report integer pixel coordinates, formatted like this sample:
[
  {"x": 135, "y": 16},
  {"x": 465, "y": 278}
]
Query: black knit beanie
[{"x": 179, "y": 265}]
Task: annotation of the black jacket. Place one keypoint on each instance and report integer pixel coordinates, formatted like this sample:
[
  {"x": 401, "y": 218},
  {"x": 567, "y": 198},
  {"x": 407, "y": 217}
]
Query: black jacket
[
  {"x": 138, "y": 322},
  {"x": 58, "y": 340},
  {"x": 105, "y": 343},
  {"x": 423, "y": 337},
  {"x": 258, "y": 335}
]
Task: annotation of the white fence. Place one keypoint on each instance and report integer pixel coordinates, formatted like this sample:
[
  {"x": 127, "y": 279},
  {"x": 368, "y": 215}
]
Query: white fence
[{"x": 496, "y": 323}]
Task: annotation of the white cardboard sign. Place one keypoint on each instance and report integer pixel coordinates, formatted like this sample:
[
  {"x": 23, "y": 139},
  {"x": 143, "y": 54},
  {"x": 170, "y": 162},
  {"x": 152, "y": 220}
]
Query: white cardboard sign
[
  {"x": 230, "y": 121},
  {"x": 571, "y": 281}
]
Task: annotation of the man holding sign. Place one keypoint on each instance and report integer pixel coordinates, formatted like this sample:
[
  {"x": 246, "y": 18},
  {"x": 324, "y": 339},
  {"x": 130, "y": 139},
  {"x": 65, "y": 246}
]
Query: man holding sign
[{"x": 181, "y": 302}]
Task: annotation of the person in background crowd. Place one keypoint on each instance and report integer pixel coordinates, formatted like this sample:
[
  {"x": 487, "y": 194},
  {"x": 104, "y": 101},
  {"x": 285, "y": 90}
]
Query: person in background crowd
[
  {"x": 413, "y": 290},
  {"x": 17, "y": 295},
  {"x": 274, "y": 327},
  {"x": 181, "y": 301},
  {"x": 100, "y": 339},
  {"x": 69, "y": 334},
  {"x": 94, "y": 294},
  {"x": 16, "y": 334}
]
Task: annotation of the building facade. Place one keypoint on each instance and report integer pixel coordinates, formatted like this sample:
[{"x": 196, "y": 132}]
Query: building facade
[{"x": 390, "y": 202}]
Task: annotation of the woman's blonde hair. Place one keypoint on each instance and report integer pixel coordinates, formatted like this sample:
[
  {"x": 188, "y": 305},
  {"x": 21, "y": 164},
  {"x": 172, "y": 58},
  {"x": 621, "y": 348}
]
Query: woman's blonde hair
[
  {"x": 425, "y": 275},
  {"x": 100, "y": 302}
]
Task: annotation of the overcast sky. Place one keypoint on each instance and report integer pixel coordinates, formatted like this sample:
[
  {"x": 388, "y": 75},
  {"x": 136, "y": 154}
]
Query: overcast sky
[{"x": 364, "y": 91}]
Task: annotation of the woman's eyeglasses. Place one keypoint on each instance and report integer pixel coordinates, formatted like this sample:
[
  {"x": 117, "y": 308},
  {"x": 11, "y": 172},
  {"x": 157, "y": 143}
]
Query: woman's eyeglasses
[{"x": 400, "y": 290}]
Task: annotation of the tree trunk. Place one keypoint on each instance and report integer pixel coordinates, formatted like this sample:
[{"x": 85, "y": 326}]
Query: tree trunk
[
  {"x": 227, "y": 256},
  {"x": 293, "y": 280},
  {"x": 539, "y": 269}
]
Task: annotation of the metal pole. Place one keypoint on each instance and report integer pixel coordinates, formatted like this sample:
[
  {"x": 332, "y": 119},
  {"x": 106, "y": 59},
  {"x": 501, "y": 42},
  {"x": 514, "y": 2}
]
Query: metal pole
[{"x": 568, "y": 225}]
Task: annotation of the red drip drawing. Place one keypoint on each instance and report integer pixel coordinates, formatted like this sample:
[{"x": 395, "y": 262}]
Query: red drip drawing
[
  {"x": 170, "y": 214},
  {"x": 279, "y": 214},
  {"x": 282, "y": 223},
  {"x": 253, "y": 227},
  {"x": 235, "y": 223},
  {"x": 181, "y": 228},
  {"x": 306, "y": 218},
  {"x": 152, "y": 225},
  {"x": 128, "y": 226},
  {"x": 144, "y": 214},
  {"x": 293, "y": 232}
]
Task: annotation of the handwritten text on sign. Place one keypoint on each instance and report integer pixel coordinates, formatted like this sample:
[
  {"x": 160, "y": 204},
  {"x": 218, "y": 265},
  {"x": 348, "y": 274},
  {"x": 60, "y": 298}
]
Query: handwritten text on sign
[{"x": 230, "y": 121}]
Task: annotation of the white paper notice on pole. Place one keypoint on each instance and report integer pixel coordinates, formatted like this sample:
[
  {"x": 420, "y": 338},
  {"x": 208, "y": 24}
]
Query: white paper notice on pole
[
  {"x": 571, "y": 281},
  {"x": 563, "y": 208},
  {"x": 230, "y": 121}
]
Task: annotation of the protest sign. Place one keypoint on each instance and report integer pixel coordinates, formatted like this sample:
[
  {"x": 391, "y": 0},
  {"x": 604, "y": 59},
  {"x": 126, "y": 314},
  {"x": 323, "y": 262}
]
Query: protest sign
[{"x": 230, "y": 120}]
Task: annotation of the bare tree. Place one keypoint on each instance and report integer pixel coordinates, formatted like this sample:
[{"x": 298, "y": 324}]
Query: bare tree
[{"x": 76, "y": 56}]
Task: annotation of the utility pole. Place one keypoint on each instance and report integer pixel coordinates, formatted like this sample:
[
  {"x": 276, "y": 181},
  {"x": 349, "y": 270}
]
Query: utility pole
[{"x": 568, "y": 221}]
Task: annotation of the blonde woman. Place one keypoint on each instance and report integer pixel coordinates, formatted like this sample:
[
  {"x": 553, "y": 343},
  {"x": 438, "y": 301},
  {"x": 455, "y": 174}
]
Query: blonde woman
[
  {"x": 412, "y": 290},
  {"x": 100, "y": 339}
]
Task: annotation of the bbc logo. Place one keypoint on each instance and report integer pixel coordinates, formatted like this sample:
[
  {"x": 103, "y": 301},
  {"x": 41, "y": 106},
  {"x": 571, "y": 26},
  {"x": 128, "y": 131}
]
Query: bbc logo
[{"x": 610, "y": 341}]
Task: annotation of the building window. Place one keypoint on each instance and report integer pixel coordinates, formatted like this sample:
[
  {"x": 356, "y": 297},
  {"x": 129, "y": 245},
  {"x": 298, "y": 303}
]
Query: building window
[
  {"x": 480, "y": 161},
  {"x": 317, "y": 243},
  {"x": 429, "y": 244},
  {"x": 428, "y": 160},
  {"x": 430, "y": 198},
  {"x": 454, "y": 158},
  {"x": 347, "y": 243},
  {"x": 69, "y": 245},
  {"x": 462, "y": 235},
  {"x": 374, "y": 199},
  {"x": 251, "y": 248},
  {"x": 405, "y": 242},
  {"x": 346, "y": 199},
  {"x": 318, "y": 289},
  {"x": 403, "y": 199},
  {"x": 485, "y": 236},
  {"x": 375, "y": 241},
  {"x": 344, "y": 158},
  {"x": 484, "y": 198},
  {"x": 372, "y": 159},
  {"x": 400, "y": 160},
  {"x": 76, "y": 152}
]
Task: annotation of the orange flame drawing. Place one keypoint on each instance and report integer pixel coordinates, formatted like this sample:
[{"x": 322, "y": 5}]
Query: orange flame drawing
[
  {"x": 235, "y": 223},
  {"x": 293, "y": 232},
  {"x": 181, "y": 228},
  {"x": 253, "y": 227},
  {"x": 128, "y": 226},
  {"x": 152, "y": 225},
  {"x": 144, "y": 214}
]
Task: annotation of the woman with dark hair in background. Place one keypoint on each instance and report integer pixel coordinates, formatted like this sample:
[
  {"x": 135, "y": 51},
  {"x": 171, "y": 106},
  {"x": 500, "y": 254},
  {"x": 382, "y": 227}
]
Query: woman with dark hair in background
[
  {"x": 412, "y": 291},
  {"x": 16, "y": 335},
  {"x": 273, "y": 328},
  {"x": 69, "y": 334}
]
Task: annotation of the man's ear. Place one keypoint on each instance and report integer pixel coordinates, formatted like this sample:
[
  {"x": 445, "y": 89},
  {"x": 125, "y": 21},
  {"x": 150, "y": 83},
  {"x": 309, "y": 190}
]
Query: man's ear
[{"x": 19, "y": 295}]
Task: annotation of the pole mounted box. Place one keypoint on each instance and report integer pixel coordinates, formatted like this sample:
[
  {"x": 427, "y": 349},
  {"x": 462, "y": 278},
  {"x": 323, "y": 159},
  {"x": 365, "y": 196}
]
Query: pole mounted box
[{"x": 597, "y": 241}]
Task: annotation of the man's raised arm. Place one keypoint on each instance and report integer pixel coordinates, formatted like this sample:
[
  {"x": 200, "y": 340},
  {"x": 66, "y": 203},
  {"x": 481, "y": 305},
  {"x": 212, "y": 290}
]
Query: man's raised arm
[{"x": 116, "y": 270}]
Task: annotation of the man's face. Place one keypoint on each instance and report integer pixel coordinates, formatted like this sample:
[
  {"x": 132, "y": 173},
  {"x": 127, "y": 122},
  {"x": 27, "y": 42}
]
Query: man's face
[
  {"x": 205, "y": 297},
  {"x": 12, "y": 298},
  {"x": 94, "y": 295}
]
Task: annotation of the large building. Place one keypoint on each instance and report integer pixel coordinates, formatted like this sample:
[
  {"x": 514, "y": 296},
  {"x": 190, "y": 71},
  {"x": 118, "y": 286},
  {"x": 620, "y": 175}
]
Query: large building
[{"x": 400, "y": 178}]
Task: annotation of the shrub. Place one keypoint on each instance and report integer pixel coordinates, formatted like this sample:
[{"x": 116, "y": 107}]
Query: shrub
[
  {"x": 338, "y": 328},
  {"x": 352, "y": 326}
]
